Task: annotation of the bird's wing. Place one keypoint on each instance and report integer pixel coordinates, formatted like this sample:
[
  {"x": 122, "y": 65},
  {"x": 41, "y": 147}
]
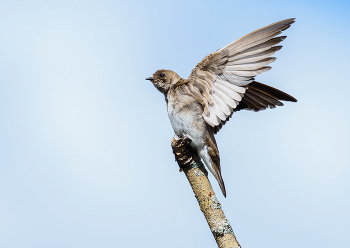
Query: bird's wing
[
  {"x": 223, "y": 82},
  {"x": 213, "y": 152}
]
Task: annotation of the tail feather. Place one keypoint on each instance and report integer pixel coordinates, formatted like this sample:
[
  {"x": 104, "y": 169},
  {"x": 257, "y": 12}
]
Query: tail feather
[
  {"x": 271, "y": 92},
  {"x": 261, "y": 96}
]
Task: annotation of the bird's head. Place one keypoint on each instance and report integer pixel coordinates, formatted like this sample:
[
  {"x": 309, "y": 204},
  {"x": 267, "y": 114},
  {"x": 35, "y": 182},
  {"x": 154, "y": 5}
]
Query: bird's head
[{"x": 163, "y": 80}]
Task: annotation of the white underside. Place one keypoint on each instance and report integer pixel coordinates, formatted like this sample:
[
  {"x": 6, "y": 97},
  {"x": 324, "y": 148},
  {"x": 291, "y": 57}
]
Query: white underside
[{"x": 193, "y": 127}]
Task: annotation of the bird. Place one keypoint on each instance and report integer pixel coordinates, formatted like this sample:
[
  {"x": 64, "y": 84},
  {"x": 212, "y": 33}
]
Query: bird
[{"x": 221, "y": 84}]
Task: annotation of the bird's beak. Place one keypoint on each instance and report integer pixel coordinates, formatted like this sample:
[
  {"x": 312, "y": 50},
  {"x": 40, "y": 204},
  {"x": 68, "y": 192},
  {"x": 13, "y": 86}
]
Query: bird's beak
[{"x": 149, "y": 78}]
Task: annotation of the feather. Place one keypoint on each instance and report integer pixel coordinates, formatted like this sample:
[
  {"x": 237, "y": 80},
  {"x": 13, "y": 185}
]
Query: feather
[
  {"x": 275, "y": 27},
  {"x": 281, "y": 25},
  {"x": 223, "y": 106},
  {"x": 273, "y": 92},
  {"x": 272, "y": 101},
  {"x": 229, "y": 101},
  {"x": 251, "y": 66},
  {"x": 257, "y": 43},
  {"x": 257, "y": 49},
  {"x": 214, "y": 119},
  {"x": 233, "y": 87},
  {"x": 230, "y": 77},
  {"x": 208, "y": 120},
  {"x": 227, "y": 91},
  {"x": 218, "y": 111},
  {"x": 252, "y": 105},
  {"x": 254, "y": 57},
  {"x": 213, "y": 153},
  {"x": 258, "y": 100},
  {"x": 253, "y": 42},
  {"x": 253, "y": 73}
]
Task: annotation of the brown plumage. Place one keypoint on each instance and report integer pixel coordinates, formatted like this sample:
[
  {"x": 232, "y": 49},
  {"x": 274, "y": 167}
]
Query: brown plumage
[{"x": 221, "y": 84}]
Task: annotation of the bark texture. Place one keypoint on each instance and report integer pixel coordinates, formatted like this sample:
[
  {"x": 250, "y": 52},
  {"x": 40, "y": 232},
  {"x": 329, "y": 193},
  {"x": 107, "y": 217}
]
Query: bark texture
[{"x": 197, "y": 176}]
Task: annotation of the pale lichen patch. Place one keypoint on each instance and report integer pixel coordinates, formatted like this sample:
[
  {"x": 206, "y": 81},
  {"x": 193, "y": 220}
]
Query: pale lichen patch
[
  {"x": 194, "y": 164},
  {"x": 216, "y": 203},
  {"x": 222, "y": 228},
  {"x": 198, "y": 173}
]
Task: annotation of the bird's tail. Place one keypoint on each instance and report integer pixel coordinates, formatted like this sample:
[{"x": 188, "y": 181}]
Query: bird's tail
[{"x": 261, "y": 96}]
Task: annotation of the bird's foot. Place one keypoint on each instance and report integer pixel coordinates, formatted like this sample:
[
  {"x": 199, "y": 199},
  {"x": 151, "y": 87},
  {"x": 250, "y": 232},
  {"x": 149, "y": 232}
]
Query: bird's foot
[{"x": 184, "y": 154}]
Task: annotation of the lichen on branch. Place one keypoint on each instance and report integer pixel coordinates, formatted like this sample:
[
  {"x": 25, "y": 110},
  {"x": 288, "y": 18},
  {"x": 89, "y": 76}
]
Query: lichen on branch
[{"x": 190, "y": 163}]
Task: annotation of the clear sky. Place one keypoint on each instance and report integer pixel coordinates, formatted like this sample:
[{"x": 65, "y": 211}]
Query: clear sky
[{"x": 85, "y": 156}]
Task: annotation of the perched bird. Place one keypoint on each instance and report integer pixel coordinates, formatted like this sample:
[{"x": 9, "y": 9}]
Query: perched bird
[{"x": 221, "y": 84}]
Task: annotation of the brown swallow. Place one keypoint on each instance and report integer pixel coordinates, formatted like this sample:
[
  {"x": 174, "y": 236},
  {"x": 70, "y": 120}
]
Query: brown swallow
[{"x": 221, "y": 84}]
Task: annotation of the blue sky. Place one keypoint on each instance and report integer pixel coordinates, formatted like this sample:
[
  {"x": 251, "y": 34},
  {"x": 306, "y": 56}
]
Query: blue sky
[{"x": 85, "y": 157}]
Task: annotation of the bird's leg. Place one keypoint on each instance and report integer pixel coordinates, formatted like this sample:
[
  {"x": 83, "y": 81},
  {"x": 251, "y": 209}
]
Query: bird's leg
[{"x": 184, "y": 154}]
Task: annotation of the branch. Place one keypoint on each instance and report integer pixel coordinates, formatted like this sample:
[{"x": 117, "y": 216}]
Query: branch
[{"x": 209, "y": 204}]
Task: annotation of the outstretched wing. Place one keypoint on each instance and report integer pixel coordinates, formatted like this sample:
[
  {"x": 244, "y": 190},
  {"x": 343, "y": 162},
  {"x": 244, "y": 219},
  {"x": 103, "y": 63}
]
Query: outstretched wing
[{"x": 223, "y": 82}]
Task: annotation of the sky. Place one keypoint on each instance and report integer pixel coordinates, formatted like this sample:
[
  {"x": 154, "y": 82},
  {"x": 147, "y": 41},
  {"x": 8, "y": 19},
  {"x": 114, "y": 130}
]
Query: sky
[{"x": 85, "y": 155}]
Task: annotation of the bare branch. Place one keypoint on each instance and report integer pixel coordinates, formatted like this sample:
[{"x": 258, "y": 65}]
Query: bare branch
[{"x": 209, "y": 204}]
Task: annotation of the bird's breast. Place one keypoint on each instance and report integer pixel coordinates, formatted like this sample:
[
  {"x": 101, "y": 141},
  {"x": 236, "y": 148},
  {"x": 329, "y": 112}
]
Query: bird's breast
[{"x": 185, "y": 115}]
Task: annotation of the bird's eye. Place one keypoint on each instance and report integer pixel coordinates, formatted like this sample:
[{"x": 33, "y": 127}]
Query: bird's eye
[{"x": 162, "y": 75}]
